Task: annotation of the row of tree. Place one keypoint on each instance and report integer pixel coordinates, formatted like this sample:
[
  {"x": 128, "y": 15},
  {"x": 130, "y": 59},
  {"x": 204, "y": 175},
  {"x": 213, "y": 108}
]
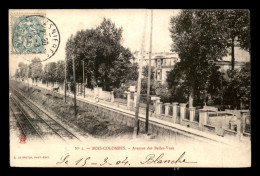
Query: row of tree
[
  {"x": 33, "y": 70},
  {"x": 51, "y": 73}
]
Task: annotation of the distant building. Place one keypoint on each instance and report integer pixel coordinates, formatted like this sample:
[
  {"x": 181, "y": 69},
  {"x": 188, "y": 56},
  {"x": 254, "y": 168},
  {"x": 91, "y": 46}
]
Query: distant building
[{"x": 164, "y": 62}]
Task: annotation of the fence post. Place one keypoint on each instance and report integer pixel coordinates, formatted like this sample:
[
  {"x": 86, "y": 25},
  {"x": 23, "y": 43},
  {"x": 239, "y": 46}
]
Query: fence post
[
  {"x": 239, "y": 129},
  {"x": 112, "y": 97},
  {"x": 135, "y": 96},
  {"x": 69, "y": 87},
  {"x": 81, "y": 89},
  {"x": 128, "y": 95},
  {"x": 77, "y": 88},
  {"x": 192, "y": 113},
  {"x": 96, "y": 96},
  {"x": 174, "y": 111},
  {"x": 100, "y": 92},
  {"x": 182, "y": 111},
  {"x": 203, "y": 118},
  {"x": 159, "y": 108},
  {"x": 156, "y": 106},
  {"x": 243, "y": 118},
  {"x": 166, "y": 109}
]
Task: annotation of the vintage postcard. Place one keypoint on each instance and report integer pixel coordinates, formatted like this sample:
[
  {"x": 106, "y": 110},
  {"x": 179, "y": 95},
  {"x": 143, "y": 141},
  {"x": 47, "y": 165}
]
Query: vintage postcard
[{"x": 129, "y": 88}]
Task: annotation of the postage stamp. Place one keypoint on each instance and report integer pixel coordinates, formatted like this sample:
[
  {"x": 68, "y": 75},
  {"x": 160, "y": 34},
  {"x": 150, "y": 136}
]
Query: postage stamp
[{"x": 34, "y": 34}]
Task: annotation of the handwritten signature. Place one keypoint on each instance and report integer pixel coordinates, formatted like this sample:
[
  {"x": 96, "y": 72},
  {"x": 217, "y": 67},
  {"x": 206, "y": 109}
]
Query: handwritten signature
[{"x": 149, "y": 159}]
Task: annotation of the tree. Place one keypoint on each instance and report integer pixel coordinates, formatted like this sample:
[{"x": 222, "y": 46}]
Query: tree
[
  {"x": 132, "y": 73},
  {"x": 237, "y": 28},
  {"x": 238, "y": 90},
  {"x": 23, "y": 70},
  {"x": 60, "y": 71},
  {"x": 145, "y": 72},
  {"x": 52, "y": 73},
  {"x": 44, "y": 76},
  {"x": 199, "y": 41},
  {"x": 35, "y": 69},
  {"x": 106, "y": 61},
  {"x": 17, "y": 74}
]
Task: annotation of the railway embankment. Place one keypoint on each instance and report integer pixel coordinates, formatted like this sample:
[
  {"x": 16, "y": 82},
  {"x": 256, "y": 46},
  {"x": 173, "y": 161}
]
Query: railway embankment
[{"x": 87, "y": 119}]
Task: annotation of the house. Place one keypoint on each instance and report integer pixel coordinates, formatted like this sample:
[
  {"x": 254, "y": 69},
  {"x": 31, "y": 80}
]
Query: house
[{"x": 164, "y": 62}]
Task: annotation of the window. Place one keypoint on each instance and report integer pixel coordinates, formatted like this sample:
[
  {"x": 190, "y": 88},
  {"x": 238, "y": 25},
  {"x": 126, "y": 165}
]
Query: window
[
  {"x": 159, "y": 75},
  {"x": 159, "y": 64}
]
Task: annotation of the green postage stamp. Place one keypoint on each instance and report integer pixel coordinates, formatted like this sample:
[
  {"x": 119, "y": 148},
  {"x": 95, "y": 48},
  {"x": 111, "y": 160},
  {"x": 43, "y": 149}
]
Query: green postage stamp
[
  {"x": 28, "y": 34},
  {"x": 33, "y": 34}
]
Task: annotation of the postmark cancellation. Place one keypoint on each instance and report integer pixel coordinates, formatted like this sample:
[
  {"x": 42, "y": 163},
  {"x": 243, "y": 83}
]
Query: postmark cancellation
[{"x": 33, "y": 34}]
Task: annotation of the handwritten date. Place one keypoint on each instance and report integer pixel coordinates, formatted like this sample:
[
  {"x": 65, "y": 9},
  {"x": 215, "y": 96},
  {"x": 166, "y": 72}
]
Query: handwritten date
[
  {"x": 86, "y": 160},
  {"x": 148, "y": 160}
]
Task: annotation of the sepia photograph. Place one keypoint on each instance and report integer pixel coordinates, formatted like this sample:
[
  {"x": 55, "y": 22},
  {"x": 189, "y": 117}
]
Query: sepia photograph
[{"x": 130, "y": 88}]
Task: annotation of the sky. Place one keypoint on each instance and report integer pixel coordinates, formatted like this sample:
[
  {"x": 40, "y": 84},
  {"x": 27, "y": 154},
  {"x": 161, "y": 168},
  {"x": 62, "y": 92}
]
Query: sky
[{"x": 132, "y": 21}]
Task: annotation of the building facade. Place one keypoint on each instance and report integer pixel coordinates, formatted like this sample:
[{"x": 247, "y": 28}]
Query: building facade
[{"x": 164, "y": 62}]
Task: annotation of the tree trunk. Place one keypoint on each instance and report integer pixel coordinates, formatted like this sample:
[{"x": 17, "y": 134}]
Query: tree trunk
[
  {"x": 191, "y": 97},
  {"x": 232, "y": 54}
]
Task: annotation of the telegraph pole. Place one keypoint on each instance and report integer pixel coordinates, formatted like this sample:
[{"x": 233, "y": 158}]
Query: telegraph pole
[
  {"x": 136, "y": 124},
  {"x": 149, "y": 76},
  {"x": 74, "y": 84},
  {"x": 65, "y": 93},
  {"x": 47, "y": 74},
  {"x": 83, "y": 80},
  {"x": 28, "y": 78}
]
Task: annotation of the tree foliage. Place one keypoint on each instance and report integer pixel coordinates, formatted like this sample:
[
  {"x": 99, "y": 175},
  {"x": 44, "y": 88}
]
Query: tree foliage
[
  {"x": 237, "y": 91},
  {"x": 54, "y": 72},
  {"x": 199, "y": 41},
  {"x": 35, "y": 69},
  {"x": 145, "y": 72},
  {"x": 201, "y": 37},
  {"x": 237, "y": 26},
  {"x": 60, "y": 71},
  {"x": 106, "y": 61},
  {"x": 22, "y": 71}
]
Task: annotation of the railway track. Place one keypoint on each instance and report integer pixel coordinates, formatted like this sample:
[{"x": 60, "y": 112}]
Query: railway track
[
  {"x": 45, "y": 122},
  {"x": 26, "y": 126}
]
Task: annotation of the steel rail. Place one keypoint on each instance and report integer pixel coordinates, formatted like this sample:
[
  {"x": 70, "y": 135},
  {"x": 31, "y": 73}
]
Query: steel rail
[
  {"x": 56, "y": 123},
  {"x": 24, "y": 114}
]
